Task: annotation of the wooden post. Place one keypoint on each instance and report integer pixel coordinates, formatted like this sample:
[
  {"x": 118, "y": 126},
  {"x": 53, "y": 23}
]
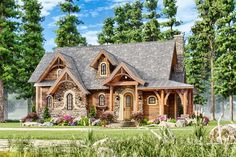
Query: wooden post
[
  {"x": 175, "y": 105},
  {"x": 136, "y": 99},
  {"x": 162, "y": 103},
  {"x": 37, "y": 99},
  {"x": 111, "y": 98},
  {"x": 185, "y": 103}
]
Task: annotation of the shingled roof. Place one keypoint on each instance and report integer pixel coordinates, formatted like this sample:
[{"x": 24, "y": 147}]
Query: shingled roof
[{"x": 151, "y": 60}]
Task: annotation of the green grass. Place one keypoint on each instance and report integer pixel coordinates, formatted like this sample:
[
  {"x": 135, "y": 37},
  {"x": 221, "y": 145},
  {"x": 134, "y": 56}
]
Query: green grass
[{"x": 99, "y": 132}]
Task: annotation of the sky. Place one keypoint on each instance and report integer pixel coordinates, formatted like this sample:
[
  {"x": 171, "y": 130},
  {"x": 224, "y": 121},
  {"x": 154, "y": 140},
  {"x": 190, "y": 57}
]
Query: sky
[{"x": 93, "y": 13}]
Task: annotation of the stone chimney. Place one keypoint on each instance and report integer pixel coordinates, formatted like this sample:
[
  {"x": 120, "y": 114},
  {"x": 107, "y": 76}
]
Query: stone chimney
[
  {"x": 179, "y": 40},
  {"x": 179, "y": 68}
]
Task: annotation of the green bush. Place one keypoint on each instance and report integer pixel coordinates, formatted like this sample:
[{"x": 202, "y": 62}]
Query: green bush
[
  {"x": 92, "y": 112},
  {"x": 46, "y": 114},
  {"x": 84, "y": 121}
]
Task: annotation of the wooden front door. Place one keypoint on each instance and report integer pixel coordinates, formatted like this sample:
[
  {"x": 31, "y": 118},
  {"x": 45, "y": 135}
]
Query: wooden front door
[{"x": 128, "y": 105}]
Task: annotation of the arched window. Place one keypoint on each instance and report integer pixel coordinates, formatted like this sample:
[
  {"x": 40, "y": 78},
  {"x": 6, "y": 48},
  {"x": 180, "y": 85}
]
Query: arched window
[
  {"x": 69, "y": 101},
  {"x": 101, "y": 100},
  {"x": 103, "y": 69},
  {"x": 152, "y": 100},
  {"x": 49, "y": 101},
  {"x": 59, "y": 71}
]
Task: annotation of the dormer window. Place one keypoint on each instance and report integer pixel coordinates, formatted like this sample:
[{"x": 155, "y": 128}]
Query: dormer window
[
  {"x": 103, "y": 68},
  {"x": 59, "y": 71}
]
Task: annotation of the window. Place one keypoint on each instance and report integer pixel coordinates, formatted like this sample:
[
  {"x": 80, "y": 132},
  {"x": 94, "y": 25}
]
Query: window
[
  {"x": 103, "y": 69},
  {"x": 49, "y": 101},
  {"x": 69, "y": 101},
  {"x": 101, "y": 100},
  {"x": 59, "y": 71},
  {"x": 128, "y": 101},
  {"x": 152, "y": 100}
]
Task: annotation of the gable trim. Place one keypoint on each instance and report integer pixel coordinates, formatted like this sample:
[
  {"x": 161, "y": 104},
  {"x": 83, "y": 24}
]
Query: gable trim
[
  {"x": 57, "y": 82},
  {"x": 58, "y": 55},
  {"x": 123, "y": 65},
  {"x": 102, "y": 52}
]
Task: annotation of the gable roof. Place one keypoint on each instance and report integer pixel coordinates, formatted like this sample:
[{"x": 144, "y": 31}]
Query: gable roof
[
  {"x": 129, "y": 69},
  {"x": 73, "y": 76},
  {"x": 112, "y": 59},
  {"x": 148, "y": 60}
]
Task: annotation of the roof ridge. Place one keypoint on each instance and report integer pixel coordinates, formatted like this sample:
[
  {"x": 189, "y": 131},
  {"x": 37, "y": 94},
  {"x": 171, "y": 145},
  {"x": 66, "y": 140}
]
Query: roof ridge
[{"x": 116, "y": 44}]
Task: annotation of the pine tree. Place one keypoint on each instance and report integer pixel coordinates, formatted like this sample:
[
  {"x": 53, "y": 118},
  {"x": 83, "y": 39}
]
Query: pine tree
[
  {"x": 196, "y": 63},
  {"x": 67, "y": 32},
  {"x": 134, "y": 17},
  {"x": 122, "y": 25},
  {"x": 31, "y": 47},
  {"x": 208, "y": 12},
  {"x": 8, "y": 47},
  {"x": 151, "y": 29},
  {"x": 169, "y": 12},
  {"x": 225, "y": 67},
  {"x": 107, "y": 34}
]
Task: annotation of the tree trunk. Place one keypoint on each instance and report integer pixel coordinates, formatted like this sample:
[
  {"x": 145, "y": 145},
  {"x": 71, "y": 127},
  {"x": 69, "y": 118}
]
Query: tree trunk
[
  {"x": 231, "y": 107},
  {"x": 223, "y": 106},
  {"x": 2, "y": 101},
  {"x": 212, "y": 90}
]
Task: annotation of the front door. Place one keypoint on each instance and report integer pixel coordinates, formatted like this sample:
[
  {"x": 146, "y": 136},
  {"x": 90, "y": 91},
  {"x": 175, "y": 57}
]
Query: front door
[{"x": 128, "y": 105}]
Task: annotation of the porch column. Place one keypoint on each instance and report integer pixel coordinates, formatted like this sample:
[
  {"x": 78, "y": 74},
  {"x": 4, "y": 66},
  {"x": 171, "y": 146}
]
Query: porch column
[
  {"x": 111, "y": 98},
  {"x": 136, "y": 99},
  {"x": 162, "y": 103},
  {"x": 37, "y": 99},
  {"x": 185, "y": 102},
  {"x": 175, "y": 105}
]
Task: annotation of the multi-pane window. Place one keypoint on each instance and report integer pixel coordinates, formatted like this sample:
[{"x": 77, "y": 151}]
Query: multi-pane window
[
  {"x": 103, "y": 69},
  {"x": 152, "y": 100},
  {"x": 69, "y": 101},
  {"x": 102, "y": 100}
]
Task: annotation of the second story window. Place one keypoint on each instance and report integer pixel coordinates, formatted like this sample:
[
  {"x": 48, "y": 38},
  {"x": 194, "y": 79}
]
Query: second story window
[{"x": 103, "y": 69}]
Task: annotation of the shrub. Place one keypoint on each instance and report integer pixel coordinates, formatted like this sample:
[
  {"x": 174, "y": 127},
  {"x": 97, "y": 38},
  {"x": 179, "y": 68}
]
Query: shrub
[
  {"x": 31, "y": 117},
  {"x": 67, "y": 120},
  {"x": 107, "y": 117},
  {"x": 84, "y": 121},
  {"x": 205, "y": 120},
  {"x": 162, "y": 118},
  {"x": 144, "y": 121},
  {"x": 46, "y": 114},
  {"x": 138, "y": 116},
  {"x": 92, "y": 112},
  {"x": 172, "y": 120}
]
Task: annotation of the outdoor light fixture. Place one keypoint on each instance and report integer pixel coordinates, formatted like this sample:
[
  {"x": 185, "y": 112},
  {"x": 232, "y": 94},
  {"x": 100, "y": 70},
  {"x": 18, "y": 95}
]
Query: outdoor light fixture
[
  {"x": 139, "y": 97},
  {"x": 117, "y": 98},
  {"x": 80, "y": 98}
]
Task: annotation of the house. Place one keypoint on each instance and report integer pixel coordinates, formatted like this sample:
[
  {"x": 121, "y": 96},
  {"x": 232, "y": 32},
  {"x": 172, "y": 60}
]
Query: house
[{"x": 123, "y": 78}]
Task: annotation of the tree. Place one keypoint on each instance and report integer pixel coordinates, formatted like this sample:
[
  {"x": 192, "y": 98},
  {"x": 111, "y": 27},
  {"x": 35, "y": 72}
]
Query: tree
[
  {"x": 208, "y": 13},
  {"x": 121, "y": 21},
  {"x": 31, "y": 49},
  {"x": 8, "y": 47},
  {"x": 107, "y": 34},
  {"x": 67, "y": 32},
  {"x": 225, "y": 67},
  {"x": 169, "y": 11},
  {"x": 196, "y": 63},
  {"x": 151, "y": 29},
  {"x": 134, "y": 18}
]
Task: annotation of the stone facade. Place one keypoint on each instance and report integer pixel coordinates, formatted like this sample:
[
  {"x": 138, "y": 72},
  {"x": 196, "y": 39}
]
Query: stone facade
[{"x": 59, "y": 101}]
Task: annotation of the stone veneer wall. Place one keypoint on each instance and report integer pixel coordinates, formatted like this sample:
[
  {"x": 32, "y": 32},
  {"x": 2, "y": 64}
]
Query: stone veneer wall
[{"x": 59, "y": 106}]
